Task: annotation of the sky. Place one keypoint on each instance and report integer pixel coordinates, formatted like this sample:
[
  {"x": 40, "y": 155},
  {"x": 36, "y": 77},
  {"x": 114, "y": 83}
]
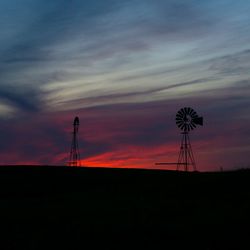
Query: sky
[{"x": 124, "y": 68}]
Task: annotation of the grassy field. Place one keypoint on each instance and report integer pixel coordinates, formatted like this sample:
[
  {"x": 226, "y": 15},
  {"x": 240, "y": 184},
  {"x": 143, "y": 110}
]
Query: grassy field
[{"x": 65, "y": 207}]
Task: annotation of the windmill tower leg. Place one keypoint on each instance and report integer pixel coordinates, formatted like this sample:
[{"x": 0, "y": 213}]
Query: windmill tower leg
[
  {"x": 190, "y": 154},
  {"x": 181, "y": 154},
  {"x": 186, "y": 157}
]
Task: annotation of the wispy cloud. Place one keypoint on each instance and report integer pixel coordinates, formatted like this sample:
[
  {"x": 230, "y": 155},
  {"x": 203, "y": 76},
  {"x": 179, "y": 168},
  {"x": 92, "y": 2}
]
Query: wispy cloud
[{"x": 124, "y": 67}]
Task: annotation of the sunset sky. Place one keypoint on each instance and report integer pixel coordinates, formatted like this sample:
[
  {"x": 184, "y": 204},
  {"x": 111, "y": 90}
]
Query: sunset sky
[{"x": 125, "y": 68}]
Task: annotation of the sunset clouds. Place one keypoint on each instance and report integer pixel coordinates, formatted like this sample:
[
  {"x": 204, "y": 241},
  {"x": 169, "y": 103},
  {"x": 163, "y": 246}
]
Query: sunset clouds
[{"x": 125, "y": 68}]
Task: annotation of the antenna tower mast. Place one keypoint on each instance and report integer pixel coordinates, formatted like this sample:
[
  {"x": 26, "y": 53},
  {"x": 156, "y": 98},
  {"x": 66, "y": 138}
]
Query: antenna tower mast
[{"x": 74, "y": 151}]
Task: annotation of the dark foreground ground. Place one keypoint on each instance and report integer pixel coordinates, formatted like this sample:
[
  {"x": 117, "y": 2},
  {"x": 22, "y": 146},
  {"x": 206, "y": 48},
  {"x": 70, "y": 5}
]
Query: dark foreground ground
[{"x": 81, "y": 208}]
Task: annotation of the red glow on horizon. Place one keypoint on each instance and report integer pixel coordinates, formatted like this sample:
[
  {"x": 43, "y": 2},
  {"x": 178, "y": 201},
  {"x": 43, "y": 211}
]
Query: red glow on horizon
[
  {"x": 132, "y": 157},
  {"x": 119, "y": 138}
]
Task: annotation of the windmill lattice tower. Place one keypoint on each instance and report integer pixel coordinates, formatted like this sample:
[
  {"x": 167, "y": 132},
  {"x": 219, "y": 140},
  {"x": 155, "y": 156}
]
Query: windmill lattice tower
[{"x": 74, "y": 160}]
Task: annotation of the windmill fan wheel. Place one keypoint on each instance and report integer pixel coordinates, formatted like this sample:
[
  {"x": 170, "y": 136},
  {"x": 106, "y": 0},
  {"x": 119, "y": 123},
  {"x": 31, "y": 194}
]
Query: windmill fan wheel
[{"x": 186, "y": 119}]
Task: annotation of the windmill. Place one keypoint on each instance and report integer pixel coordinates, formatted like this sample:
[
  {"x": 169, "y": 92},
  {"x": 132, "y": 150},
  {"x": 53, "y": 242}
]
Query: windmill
[
  {"x": 187, "y": 120},
  {"x": 74, "y": 151}
]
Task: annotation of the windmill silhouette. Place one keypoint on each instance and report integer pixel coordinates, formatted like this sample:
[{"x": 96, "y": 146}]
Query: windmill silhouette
[
  {"x": 187, "y": 120},
  {"x": 74, "y": 158}
]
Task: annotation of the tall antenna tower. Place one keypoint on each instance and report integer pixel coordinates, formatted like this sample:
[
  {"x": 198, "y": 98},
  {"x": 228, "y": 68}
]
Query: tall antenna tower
[
  {"x": 186, "y": 120},
  {"x": 74, "y": 160}
]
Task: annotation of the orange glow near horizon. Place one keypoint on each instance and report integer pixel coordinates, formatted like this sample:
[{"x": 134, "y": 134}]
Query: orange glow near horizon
[
  {"x": 133, "y": 157},
  {"x": 121, "y": 140}
]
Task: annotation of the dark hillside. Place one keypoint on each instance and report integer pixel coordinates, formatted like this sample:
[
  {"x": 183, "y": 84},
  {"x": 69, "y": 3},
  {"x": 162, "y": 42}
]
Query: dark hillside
[{"x": 57, "y": 207}]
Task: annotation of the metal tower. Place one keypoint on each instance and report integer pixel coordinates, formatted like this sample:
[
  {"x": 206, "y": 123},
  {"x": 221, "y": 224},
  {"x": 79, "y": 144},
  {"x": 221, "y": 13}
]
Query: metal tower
[
  {"x": 186, "y": 156},
  {"x": 74, "y": 160},
  {"x": 186, "y": 120}
]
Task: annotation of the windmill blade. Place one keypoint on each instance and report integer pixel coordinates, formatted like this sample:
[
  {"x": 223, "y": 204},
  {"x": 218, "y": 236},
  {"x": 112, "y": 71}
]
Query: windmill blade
[
  {"x": 183, "y": 126},
  {"x": 192, "y": 112},
  {"x": 179, "y": 120},
  {"x": 179, "y": 126},
  {"x": 193, "y": 125},
  {"x": 179, "y": 123},
  {"x": 179, "y": 116},
  {"x": 189, "y": 110},
  {"x": 182, "y": 111}
]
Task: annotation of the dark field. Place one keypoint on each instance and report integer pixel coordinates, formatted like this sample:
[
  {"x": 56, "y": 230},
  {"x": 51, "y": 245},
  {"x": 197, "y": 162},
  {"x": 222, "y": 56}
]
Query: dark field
[{"x": 63, "y": 207}]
